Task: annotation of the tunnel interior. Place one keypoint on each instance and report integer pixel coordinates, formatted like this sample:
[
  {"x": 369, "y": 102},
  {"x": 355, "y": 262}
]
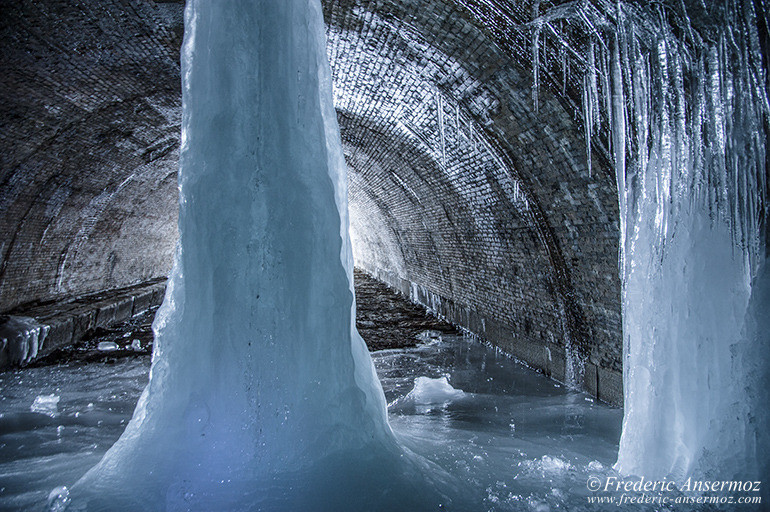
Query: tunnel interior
[
  {"x": 464, "y": 194},
  {"x": 570, "y": 182}
]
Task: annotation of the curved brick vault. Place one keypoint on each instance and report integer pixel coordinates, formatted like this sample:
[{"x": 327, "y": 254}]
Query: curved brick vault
[{"x": 461, "y": 192}]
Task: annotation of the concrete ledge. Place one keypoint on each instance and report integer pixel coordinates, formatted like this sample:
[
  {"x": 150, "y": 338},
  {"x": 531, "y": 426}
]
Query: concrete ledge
[
  {"x": 69, "y": 320},
  {"x": 549, "y": 358}
]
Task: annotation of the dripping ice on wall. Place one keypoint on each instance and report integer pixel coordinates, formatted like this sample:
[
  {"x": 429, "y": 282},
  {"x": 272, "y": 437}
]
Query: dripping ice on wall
[
  {"x": 21, "y": 338},
  {"x": 262, "y": 395},
  {"x": 683, "y": 103}
]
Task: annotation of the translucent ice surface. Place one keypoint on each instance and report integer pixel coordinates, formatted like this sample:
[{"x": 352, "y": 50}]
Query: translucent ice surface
[
  {"x": 57, "y": 422},
  {"x": 262, "y": 396},
  {"x": 514, "y": 439}
]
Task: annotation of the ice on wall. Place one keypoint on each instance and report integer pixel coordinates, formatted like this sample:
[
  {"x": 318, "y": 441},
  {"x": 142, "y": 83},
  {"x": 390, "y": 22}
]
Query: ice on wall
[
  {"x": 262, "y": 396},
  {"x": 21, "y": 338},
  {"x": 686, "y": 119}
]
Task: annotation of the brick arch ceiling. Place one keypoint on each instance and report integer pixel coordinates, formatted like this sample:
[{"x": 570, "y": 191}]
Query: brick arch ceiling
[{"x": 458, "y": 187}]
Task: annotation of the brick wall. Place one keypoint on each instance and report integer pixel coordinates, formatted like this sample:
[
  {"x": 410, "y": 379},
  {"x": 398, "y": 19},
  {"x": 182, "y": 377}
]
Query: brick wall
[{"x": 466, "y": 197}]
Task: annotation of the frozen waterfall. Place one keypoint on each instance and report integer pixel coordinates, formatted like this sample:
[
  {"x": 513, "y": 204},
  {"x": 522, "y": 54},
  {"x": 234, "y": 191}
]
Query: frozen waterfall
[
  {"x": 693, "y": 199},
  {"x": 262, "y": 395},
  {"x": 685, "y": 110}
]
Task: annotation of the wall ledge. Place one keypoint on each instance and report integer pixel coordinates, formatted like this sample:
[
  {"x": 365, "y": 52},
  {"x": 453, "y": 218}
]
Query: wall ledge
[{"x": 64, "y": 323}]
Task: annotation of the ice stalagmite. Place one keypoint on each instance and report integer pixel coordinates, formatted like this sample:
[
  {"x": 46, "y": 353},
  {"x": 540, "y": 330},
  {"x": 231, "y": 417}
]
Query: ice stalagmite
[
  {"x": 687, "y": 121},
  {"x": 690, "y": 148},
  {"x": 262, "y": 396}
]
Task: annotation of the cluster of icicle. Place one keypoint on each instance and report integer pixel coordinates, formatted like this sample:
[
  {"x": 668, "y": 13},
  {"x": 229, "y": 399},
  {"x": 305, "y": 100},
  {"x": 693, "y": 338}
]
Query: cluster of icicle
[
  {"x": 697, "y": 104},
  {"x": 684, "y": 109},
  {"x": 20, "y": 339}
]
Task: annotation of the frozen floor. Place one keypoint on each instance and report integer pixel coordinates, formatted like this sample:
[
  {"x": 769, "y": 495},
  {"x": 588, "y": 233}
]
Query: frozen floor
[{"x": 522, "y": 441}]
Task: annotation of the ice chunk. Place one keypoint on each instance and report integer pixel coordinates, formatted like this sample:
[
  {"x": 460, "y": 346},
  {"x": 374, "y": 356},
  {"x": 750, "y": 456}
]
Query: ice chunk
[
  {"x": 46, "y": 404},
  {"x": 547, "y": 466},
  {"x": 107, "y": 346},
  {"x": 554, "y": 464},
  {"x": 430, "y": 337},
  {"x": 58, "y": 499},
  {"x": 595, "y": 465},
  {"x": 429, "y": 391}
]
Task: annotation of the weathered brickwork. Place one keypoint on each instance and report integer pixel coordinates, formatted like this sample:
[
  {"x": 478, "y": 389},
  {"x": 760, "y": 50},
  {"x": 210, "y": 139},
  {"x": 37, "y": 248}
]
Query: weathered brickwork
[
  {"x": 90, "y": 113},
  {"x": 461, "y": 193},
  {"x": 460, "y": 187}
]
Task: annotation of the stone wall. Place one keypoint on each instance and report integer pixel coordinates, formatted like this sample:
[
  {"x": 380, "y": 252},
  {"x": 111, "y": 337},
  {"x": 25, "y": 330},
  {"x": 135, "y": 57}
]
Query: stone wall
[{"x": 90, "y": 109}]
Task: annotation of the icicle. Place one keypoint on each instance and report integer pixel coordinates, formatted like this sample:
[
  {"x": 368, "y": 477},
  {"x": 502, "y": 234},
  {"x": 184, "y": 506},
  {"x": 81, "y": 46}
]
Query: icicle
[
  {"x": 591, "y": 104},
  {"x": 471, "y": 135},
  {"x": 697, "y": 153},
  {"x": 639, "y": 80},
  {"x": 441, "y": 129},
  {"x": 592, "y": 84},
  {"x": 681, "y": 181},
  {"x": 619, "y": 141},
  {"x": 587, "y": 117},
  {"x": 717, "y": 146},
  {"x": 536, "y": 66},
  {"x": 606, "y": 91},
  {"x": 458, "y": 131},
  {"x": 664, "y": 143},
  {"x": 536, "y": 53},
  {"x": 563, "y": 62}
]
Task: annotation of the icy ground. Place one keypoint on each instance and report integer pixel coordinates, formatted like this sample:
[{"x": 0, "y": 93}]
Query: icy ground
[{"x": 522, "y": 441}]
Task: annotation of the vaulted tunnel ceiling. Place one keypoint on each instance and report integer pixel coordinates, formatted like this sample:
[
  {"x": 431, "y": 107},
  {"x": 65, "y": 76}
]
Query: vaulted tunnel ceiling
[{"x": 457, "y": 183}]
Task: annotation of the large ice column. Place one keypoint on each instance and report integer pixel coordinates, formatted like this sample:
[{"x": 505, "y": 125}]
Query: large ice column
[
  {"x": 688, "y": 404},
  {"x": 686, "y": 110},
  {"x": 690, "y": 152},
  {"x": 262, "y": 395}
]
